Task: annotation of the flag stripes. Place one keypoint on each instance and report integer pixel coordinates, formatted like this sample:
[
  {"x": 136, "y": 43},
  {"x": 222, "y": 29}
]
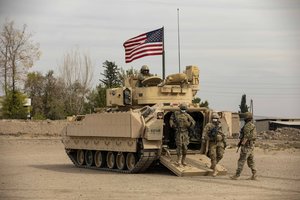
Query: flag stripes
[{"x": 147, "y": 44}]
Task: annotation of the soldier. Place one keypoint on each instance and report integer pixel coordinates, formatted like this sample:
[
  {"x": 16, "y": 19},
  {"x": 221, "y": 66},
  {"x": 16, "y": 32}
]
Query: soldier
[
  {"x": 247, "y": 141},
  {"x": 215, "y": 141},
  {"x": 182, "y": 122},
  {"x": 144, "y": 73}
]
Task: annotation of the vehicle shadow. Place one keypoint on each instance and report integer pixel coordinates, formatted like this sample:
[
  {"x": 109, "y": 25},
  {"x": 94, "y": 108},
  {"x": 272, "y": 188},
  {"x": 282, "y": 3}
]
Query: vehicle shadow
[
  {"x": 66, "y": 168},
  {"x": 71, "y": 169},
  {"x": 159, "y": 169}
]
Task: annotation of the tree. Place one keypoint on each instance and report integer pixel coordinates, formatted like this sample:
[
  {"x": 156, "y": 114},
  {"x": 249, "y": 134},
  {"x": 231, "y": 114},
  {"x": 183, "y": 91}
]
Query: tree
[
  {"x": 126, "y": 73},
  {"x": 243, "y": 107},
  {"x": 112, "y": 78},
  {"x": 54, "y": 97},
  {"x": 47, "y": 95},
  {"x": 35, "y": 88},
  {"x": 76, "y": 73},
  {"x": 18, "y": 54},
  {"x": 202, "y": 104},
  {"x": 74, "y": 99},
  {"x": 111, "y": 75},
  {"x": 13, "y": 105},
  {"x": 96, "y": 99}
]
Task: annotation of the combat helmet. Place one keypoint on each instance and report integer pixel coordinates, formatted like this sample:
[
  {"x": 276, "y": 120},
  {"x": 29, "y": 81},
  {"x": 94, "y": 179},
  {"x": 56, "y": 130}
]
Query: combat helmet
[
  {"x": 183, "y": 106},
  {"x": 215, "y": 118},
  {"x": 144, "y": 69},
  {"x": 248, "y": 116}
]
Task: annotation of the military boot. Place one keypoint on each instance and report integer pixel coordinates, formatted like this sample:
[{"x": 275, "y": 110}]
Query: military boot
[
  {"x": 253, "y": 177},
  {"x": 183, "y": 160},
  {"x": 215, "y": 172},
  {"x": 234, "y": 177},
  {"x": 179, "y": 158}
]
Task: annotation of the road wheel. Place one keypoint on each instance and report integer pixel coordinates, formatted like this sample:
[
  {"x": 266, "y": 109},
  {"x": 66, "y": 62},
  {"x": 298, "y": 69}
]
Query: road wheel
[
  {"x": 80, "y": 157},
  {"x": 110, "y": 159},
  {"x": 120, "y": 160},
  {"x": 89, "y": 158},
  {"x": 130, "y": 161},
  {"x": 99, "y": 161}
]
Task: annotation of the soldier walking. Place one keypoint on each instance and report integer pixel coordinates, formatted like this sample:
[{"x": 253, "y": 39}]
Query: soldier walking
[
  {"x": 215, "y": 141},
  {"x": 182, "y": 122},
  {"x": 247, "y": 142}
]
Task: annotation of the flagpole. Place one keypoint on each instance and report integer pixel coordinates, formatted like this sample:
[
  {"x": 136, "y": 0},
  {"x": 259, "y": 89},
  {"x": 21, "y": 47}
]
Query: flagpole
[
  {"x": 178, "y": 39},
  {"x": 163, "y": 55}
]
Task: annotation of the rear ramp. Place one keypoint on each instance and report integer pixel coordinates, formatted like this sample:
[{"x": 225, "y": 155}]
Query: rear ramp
[{"x": 197, "y": 164}]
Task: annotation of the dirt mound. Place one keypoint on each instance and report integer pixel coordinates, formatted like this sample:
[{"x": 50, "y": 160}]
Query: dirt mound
[
  {"x": 32, "y": 128},
  {"x": 287, "y": 134}
]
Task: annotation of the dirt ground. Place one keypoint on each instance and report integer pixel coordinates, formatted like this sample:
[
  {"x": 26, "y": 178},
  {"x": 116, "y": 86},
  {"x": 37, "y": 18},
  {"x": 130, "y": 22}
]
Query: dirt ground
[{"x": 38, "y": 168}]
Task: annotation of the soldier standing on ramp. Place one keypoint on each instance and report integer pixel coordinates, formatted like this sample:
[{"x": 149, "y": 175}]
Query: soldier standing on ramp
[
  {"x": 182, "y": 122},
  {"x": 247, "y": 142},
  {"x": 215, "y": 141}
]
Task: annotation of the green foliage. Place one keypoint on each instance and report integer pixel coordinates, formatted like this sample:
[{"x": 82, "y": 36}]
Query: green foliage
[
  {"x": 13, "y": 105},
  {"x": 39, "y": 116},
  {"x": 47, "y": 96},
  {"x": 34, "y": 87},
  {"x": 198, "y": 100},
  {"x": 243, "y": 107},
  {"x": 53, "y": 99},
  {"x": 111, "y": 75},
  {"x": 95, "y": 99}
]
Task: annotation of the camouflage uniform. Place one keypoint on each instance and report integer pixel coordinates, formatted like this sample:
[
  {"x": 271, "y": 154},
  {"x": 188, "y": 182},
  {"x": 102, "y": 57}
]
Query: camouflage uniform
[
  {"x": 217, "y": 143},
  {"x": 181, "y": 121},
  {"x": 249, "y": 135}
]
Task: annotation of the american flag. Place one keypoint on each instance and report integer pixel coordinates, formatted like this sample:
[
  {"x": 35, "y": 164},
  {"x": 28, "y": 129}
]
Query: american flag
[{"x": 146, "y": 44}]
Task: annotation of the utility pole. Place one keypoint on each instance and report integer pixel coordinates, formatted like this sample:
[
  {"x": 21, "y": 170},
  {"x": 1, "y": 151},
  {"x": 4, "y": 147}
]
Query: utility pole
[{"x": 178, "y": 39}]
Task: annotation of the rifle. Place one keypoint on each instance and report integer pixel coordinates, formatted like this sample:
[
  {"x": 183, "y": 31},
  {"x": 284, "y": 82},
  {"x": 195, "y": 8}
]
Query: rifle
[
  {"x": 239, "y": 145},
  {"x": 213, "y": 133},
  {"x": 241, "y": 137},
  {"x": 206, "y": 147},
  {"x": 175, "y": 121}
]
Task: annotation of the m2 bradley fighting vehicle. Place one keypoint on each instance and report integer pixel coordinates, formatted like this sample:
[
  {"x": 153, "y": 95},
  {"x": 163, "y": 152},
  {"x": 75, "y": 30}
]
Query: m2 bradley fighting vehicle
[{"x": 134, "y": 131}]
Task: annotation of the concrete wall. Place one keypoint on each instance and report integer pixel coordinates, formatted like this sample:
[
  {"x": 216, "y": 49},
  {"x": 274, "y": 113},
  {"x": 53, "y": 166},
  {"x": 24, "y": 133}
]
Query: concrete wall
[{"x": 230, "y": 122}]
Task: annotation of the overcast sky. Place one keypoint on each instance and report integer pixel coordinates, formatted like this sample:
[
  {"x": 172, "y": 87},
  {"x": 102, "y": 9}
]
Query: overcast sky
[{"x": 247, "y": 47}]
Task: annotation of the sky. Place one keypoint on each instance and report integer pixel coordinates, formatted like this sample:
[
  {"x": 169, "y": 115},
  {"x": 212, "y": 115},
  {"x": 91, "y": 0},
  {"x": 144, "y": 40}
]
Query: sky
[{"x": 247, "y": 47}]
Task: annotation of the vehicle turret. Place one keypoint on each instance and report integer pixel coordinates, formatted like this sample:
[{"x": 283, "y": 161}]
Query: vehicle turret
[{"x": 181, "y": 87}]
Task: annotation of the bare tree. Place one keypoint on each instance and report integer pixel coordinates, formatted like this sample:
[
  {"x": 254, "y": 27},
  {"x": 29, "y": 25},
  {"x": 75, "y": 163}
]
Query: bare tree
[
  {"x": 76, "y": 72},
  {"x": 126, "y": 73},
  {"x": 17, "y": 54}
]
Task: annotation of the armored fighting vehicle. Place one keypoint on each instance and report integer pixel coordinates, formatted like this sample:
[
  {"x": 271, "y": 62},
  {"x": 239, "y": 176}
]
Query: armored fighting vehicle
[{"x": 133, "y": 132}]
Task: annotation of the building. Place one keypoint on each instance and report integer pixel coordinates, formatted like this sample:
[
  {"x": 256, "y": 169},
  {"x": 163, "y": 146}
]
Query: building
[
  {"x": 265, "y": 124},
  {"x": 230, "y": 122}
]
